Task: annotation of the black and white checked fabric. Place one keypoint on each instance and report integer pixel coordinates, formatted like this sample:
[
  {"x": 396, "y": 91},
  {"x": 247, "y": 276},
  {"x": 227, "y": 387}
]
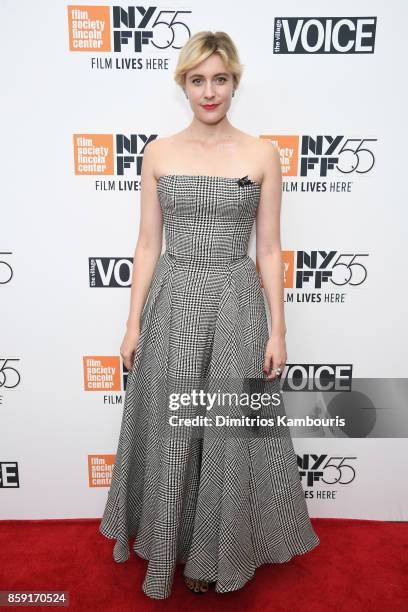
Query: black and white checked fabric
[{"x": 221, "y": 504}]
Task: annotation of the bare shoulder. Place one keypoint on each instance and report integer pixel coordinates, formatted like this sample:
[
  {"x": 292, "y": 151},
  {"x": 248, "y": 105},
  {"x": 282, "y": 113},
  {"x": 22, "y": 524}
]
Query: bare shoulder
[
  {"x": 269, "y": 157},
  {"x": 152, "y": 154},
  {"x": 264, "y": 153},
  {"x": 158, "y": 151},
  {"x": 154, "y": 147},
  {"x": 266, "y": 149}
]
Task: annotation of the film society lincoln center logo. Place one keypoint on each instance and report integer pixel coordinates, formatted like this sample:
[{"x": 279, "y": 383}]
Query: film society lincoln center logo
[
  {"x": 102, "y": 373},
  {"x": 127, "y": 30}
]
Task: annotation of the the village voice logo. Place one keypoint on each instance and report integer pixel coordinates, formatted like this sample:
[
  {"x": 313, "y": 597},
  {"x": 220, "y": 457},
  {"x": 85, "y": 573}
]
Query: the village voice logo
[
  {"x": 317, "y": 377},
  {"x": 9, "y": 478},
  {"x": 110, "y": 271},
  {"x": 127, "y": 30},
  {"x": 330, "y": 35}
]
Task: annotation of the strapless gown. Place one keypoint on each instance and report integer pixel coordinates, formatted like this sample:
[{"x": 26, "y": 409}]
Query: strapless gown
[{"x": 222, "y": 503}]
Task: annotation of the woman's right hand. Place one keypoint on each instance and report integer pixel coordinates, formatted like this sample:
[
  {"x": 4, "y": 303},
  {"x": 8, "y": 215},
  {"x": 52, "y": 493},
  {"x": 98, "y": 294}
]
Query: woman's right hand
[{"x": 128, "y": 347}]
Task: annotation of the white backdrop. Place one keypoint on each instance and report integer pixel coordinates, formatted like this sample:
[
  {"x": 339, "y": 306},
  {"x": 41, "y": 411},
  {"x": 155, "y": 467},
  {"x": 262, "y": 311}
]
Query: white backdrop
[{"x": 63, "y": 230}]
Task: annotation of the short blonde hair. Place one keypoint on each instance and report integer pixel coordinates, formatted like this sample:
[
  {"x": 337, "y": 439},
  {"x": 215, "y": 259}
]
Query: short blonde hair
[{"x": 202, "y": 45}]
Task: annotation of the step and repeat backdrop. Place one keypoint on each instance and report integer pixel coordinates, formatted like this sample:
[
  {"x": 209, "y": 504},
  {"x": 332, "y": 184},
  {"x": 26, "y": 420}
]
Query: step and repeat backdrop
[{"x": 85, "y": 87}]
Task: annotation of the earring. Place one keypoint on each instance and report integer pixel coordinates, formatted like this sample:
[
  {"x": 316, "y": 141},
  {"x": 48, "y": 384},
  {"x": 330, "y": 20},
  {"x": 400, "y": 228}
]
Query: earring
[{"x": 233, "y": 92}]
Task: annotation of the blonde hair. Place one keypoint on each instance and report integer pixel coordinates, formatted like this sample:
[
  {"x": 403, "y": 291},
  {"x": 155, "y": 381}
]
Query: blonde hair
[{"x": 202, "y": 45}]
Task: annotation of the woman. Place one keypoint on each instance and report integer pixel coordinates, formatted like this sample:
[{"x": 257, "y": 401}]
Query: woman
[{"x": 221, "y": 504}]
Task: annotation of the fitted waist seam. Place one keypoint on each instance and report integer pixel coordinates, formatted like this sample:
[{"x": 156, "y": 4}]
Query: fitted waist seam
[{"x": 194, "y": 258}]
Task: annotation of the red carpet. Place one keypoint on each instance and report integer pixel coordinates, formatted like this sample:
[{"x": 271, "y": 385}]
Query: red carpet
[{"x": 359, "y": 565}]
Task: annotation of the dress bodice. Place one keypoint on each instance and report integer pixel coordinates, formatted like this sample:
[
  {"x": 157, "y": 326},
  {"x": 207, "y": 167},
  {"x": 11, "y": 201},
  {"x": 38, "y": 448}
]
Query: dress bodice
[{"x": 207, "y": 218}]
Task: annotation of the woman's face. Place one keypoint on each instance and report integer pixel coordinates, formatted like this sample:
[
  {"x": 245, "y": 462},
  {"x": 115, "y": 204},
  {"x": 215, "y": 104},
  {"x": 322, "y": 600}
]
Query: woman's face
[{"x": 209, "y": 87}]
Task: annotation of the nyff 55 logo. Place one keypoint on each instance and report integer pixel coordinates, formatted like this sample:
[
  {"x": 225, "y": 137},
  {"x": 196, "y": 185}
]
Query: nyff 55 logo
[
  {"x": 323, "y": 155},
  {"x": 326, "y": 469},
  {"x": 314, "y": 269},
  {"x": 116, "y": 28}
]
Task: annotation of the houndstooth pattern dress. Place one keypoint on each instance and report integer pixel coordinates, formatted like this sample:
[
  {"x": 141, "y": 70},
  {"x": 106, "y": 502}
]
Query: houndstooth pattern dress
[{"x": 221, "y": 504}]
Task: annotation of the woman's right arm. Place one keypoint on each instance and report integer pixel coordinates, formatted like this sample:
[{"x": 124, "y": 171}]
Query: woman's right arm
[{"x": 147, "y": 252}]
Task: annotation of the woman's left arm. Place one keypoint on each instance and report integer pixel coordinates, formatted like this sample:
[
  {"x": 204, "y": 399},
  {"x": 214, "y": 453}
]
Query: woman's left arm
[{"x": 269, "y": 257}]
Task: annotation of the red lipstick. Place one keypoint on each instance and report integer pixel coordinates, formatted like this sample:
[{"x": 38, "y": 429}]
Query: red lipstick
[{"x": 209, "y": 106}]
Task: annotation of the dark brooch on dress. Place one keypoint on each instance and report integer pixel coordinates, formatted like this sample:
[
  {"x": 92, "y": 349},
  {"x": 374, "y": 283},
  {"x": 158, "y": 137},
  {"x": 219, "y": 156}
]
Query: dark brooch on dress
[{"x": 244, "y": 181}]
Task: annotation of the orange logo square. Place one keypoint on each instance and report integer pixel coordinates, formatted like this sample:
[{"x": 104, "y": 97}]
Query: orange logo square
[
  {"x": 289, "y": 152},
  {"x": 101, "y": 373},
  {"x": 89, "y": 28},
  {"x": 100, "y": 469},
  {"x": 93, "y": 154},
  {"x": 289, "y": 266}
]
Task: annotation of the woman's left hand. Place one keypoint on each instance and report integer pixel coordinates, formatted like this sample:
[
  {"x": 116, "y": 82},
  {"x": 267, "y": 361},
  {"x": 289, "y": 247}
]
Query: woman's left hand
[{"x": 275, "y": 356}]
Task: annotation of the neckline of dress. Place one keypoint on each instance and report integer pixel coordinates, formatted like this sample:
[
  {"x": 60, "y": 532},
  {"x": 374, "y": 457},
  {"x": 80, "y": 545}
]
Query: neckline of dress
[{"x": 225, "y": 178}]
